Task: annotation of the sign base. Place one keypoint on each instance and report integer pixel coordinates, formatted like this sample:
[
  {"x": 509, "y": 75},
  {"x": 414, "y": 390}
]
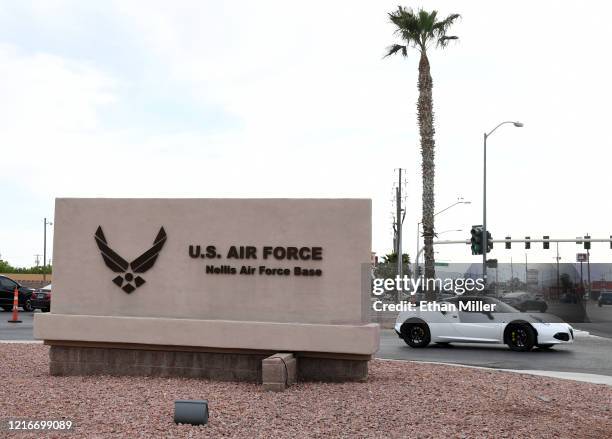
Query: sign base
[{"x": 82, "y": 358}]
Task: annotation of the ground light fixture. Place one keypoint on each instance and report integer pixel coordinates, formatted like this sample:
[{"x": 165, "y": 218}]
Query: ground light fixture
[{"x": 194, "y": 412}]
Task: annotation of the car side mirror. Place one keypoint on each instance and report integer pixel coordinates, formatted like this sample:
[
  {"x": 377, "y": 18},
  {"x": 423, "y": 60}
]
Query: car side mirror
[{"x": 443, "y": 312}]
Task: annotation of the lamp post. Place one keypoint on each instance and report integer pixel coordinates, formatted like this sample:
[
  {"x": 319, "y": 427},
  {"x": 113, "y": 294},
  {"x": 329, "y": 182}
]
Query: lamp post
[
  {"x": 447, "y": 231},
  {"x": 47, "y": 223},
  {"x": 418, "y": 252},
  {"x": 484, "y": 199}
]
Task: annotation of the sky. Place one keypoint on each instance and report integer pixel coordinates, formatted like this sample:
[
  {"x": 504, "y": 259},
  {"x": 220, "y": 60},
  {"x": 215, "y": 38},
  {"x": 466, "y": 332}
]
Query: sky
[{"x": 270, "y": 99}]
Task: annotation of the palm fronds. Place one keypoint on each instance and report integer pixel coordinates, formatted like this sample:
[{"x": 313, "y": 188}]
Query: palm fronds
[{"x": 420, "y": 28}]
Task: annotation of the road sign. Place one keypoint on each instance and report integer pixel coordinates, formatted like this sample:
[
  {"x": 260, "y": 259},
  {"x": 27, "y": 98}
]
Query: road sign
[{"x": 581, "y": 257}]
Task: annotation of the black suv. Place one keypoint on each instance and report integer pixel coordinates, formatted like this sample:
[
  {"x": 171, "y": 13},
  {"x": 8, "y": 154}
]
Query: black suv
[{"x": 7, "y": 291}]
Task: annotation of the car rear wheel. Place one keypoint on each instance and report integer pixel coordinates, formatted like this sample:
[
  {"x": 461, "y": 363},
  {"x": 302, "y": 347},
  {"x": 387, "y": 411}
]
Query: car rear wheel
[
  {"x": 520, "y": 337},
  {"x": 416, "y": 335},
  {"x": 27, "y": 306}
]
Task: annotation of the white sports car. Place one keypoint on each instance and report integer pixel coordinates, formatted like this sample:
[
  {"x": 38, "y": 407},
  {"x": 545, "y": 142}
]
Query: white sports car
[{"x": 474, "y": 319}]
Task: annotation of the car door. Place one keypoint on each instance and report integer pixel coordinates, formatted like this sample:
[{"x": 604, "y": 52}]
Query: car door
[
  {"x": 478, "y": 326},
  {"x": 444, "y": 322},
  {"x": 7, "y": 290}
]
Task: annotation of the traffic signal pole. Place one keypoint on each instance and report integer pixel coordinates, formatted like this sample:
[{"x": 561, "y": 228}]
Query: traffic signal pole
[{"x": 467, "y": 241}]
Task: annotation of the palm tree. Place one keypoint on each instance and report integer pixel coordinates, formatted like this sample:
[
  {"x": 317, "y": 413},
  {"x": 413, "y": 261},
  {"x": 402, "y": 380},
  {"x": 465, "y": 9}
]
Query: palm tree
[{"x": 421, "y": 30}]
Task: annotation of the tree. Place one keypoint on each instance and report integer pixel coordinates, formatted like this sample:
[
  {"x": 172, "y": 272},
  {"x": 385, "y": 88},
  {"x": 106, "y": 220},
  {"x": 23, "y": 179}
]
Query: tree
[
  {"x": 421, "y": 30},
  {"x": 387, "y": 269},
  {"x": 391, "y": 258},
  {"x": 7, "y": 268}
]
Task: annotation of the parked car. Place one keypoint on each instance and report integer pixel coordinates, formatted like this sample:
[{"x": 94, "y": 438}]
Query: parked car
[
  {"x": 525, "y": 301},
  {"x": 465, "y": 320},
  {"x": 568, "y": 298},
  {"x": 605, "y": 298},
  {"x": 7, "y": 292},
  {"x": 41, "y": 299}
]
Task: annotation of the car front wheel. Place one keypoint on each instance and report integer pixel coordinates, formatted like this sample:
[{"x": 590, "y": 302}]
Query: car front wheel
[
  {"x": 520, "y": 337},
  {"x": 416, "y": 335}
]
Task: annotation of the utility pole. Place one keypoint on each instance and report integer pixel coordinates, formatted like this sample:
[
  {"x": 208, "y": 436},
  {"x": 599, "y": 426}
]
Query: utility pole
[
  {"x": 398, "y": 225},
  {"x": 511, "y": 275}
]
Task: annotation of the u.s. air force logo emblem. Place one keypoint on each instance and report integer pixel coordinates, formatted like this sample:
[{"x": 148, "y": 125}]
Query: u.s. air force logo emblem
[{"x": 127, "y": 280}]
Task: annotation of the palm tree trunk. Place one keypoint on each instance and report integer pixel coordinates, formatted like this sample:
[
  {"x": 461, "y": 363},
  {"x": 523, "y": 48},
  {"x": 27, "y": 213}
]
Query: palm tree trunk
[{"x": 426, "y": 129}]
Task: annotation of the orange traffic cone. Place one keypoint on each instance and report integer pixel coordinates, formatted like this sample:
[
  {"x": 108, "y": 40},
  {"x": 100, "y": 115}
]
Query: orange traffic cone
[{"x": 15, "y": 318}]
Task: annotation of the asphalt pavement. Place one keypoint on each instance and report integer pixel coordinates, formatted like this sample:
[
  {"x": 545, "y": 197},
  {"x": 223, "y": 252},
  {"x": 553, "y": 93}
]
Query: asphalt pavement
[
  {"x": 588, "y": 354},
  {"x": 16, "y": 331}
]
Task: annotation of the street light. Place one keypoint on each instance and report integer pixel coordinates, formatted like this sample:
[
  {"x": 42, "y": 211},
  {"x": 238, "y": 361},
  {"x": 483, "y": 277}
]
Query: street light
[
  {"x": 418, "y": 253},
  {"x": 447, "y": 231},
  {"x": 484, "y": 198},
  {"x": 47, "y": 223}
]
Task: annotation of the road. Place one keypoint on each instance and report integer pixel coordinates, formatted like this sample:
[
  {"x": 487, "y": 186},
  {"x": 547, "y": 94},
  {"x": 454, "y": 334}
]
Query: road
[
  {"x": 16, "y": 331},
  {"x": 586, "y": 355}
]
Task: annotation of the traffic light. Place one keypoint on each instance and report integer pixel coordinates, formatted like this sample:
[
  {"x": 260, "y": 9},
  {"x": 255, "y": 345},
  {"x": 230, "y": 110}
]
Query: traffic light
[
  {"x": 546, "y": 244},
  {"x": 476, "y": 240},
  {"x": 527, "y": 242},
  {"x": 587, "y": 244},
  {"x": 489, "y": 242},
  {"x": 491, "y": 263},
  {"x": 611, "y": 241},
  {"x": 508, "y": 243}
]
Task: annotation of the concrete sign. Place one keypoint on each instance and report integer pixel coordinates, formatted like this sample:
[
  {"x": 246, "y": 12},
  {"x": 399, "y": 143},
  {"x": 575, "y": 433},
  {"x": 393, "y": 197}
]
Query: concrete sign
[{"x": 242, "y": 274}]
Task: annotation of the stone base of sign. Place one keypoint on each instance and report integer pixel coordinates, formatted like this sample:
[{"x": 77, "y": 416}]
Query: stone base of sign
[
  {"x": 83, "y": 358},
  {"x": 278, "y": 372},
  {"x": 312, "y": 368}
]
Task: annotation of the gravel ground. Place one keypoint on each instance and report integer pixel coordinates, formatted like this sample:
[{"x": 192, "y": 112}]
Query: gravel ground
[{"x": 399, "y": 400}]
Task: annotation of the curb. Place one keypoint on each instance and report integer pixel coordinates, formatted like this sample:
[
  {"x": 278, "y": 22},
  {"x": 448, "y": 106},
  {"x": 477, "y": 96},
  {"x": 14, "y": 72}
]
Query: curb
[
  {"x": 573, "y": 376},
  {"x": 21, "y": 341}
]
